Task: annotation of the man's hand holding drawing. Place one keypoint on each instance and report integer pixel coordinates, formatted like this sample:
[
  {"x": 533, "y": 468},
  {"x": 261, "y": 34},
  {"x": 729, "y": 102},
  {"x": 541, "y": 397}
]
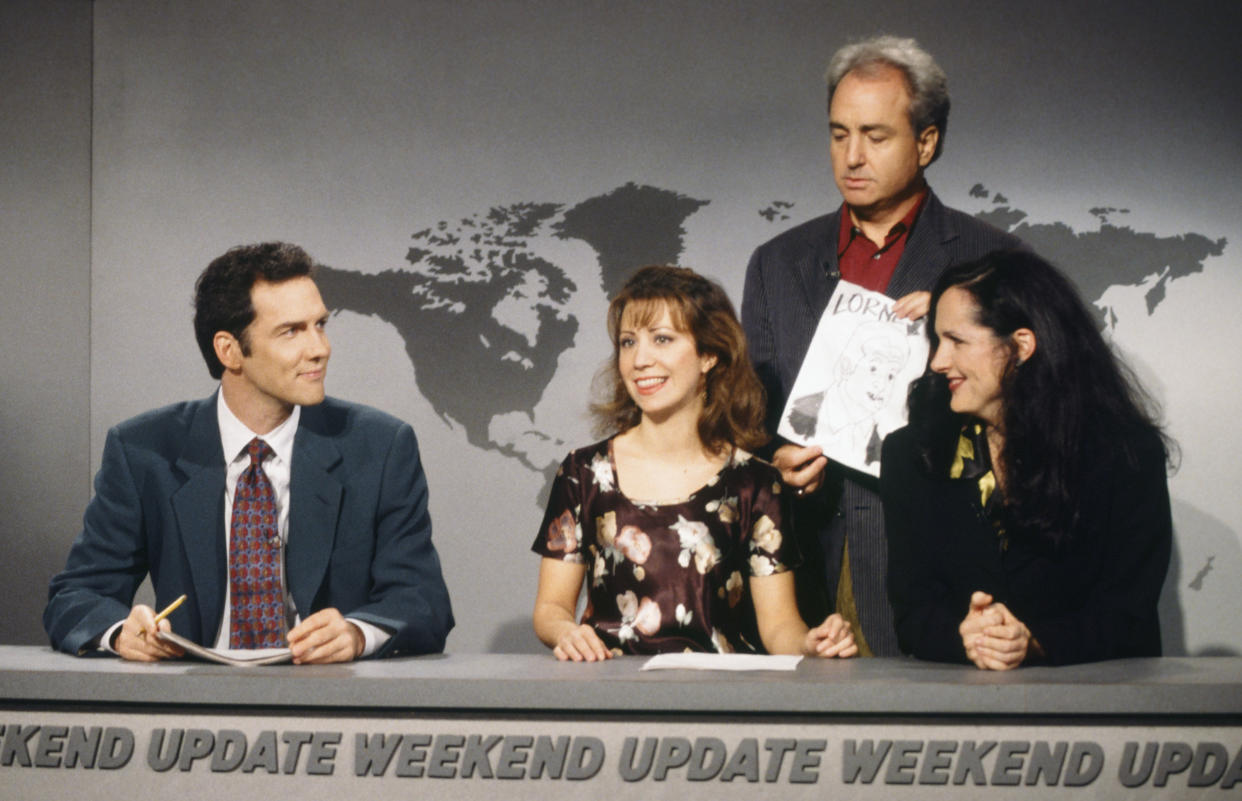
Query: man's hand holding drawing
[
  {"x": 914, "y": 306},
  {"x": 802, "y": 467}
]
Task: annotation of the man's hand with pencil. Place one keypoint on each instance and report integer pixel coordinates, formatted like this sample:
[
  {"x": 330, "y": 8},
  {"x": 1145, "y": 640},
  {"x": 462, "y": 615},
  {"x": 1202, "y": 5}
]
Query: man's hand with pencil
[{"x": 136, "y": 639}]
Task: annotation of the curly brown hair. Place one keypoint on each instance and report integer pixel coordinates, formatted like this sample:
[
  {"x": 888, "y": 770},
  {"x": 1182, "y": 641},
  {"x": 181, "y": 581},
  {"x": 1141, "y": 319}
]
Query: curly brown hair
[{"x": 734, "y": 407}]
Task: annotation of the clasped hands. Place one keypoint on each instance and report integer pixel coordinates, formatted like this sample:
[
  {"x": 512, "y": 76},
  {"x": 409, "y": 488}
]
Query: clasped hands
[
  {"x": 994, "y": 639},
  {"x": 324, "y": 637},
  {"x": 832, "y": 638}
]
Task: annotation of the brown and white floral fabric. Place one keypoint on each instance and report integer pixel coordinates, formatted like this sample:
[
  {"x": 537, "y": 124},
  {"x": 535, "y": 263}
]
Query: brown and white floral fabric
[{"x": 668, "y": 575}]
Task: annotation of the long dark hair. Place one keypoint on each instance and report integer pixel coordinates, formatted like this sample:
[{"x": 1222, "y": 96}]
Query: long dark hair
[
  {"x": 734, "y": 409},
  {"x": 1072, "y": 398}
]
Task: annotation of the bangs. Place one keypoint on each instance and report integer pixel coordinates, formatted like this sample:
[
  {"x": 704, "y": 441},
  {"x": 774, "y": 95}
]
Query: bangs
[{"x": 645, "y": 312}]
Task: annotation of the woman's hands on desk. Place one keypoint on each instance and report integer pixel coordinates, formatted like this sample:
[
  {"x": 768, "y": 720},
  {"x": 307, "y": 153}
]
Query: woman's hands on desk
[
  {"x": 580, "y": 643},
  {"x": 994, "y": 639},
  {"x": 833, "y": 637},
  {"x": 781, "y": 627},
  {"x": 554, "y": 619}
]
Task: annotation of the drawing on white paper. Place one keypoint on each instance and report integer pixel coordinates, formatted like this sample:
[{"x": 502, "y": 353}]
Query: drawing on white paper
[{"x": 851, "y": 390}]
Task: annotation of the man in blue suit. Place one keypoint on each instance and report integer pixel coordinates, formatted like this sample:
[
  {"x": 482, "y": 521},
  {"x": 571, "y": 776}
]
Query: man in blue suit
[
  {"x": 888, "y": 108},
  {"x": 350, "y": 561}
]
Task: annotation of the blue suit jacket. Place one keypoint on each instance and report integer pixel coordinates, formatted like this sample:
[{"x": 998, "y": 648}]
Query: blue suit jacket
[
  {"x": 788, "y": 284},
  {"x": 359, "y": 531}
]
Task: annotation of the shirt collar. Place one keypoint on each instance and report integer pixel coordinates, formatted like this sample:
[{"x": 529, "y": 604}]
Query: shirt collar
[
  {"x": 902, "y": 226},
  {"x": 235, "y": 435}
]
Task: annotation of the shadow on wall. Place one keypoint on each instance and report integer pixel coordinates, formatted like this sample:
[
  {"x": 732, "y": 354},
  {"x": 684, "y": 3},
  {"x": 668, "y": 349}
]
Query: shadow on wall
[
  {"x": 1206, "y": 561},
  {"x": 516, "y": 636}
]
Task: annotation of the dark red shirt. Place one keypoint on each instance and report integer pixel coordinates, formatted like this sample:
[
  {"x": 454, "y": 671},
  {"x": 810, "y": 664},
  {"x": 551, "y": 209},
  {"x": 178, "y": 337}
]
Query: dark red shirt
[{"x": 861, "y": 262}]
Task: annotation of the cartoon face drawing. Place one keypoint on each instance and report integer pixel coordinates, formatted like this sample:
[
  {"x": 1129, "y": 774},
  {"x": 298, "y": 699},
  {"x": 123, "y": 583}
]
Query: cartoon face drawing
[
  {"x": 870, "y": 382},
  {"x": 868, "y": 369}
]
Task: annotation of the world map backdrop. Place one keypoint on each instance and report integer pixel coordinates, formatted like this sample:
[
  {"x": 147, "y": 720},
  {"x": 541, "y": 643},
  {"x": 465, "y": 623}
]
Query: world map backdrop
[{"x": 478, "y": 299}]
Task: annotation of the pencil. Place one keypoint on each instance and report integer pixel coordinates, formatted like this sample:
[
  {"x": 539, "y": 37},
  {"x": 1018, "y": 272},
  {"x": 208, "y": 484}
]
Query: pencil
[{"x": 168, "y": 610}]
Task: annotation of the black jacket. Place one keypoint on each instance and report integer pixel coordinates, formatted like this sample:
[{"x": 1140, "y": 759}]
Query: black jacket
[{"x": 1093, "y": 598}]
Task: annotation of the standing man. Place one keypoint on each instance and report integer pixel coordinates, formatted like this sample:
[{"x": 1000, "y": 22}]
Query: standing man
[
  {"x": 888, "y": 106},
  {"x": 285, "y": 517}
]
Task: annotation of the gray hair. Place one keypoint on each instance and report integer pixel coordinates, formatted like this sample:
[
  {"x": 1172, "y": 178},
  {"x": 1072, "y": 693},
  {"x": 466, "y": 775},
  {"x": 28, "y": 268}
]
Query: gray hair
[{"x": 926, "y": 81}]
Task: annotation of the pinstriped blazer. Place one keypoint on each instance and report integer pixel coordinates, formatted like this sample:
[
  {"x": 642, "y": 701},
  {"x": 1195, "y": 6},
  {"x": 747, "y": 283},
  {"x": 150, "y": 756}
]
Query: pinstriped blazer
[{"x": 788, "y": 283}]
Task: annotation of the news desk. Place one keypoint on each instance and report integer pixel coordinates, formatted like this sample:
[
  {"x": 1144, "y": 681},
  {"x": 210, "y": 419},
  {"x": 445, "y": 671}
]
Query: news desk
[{"x": 464, "y": 726}]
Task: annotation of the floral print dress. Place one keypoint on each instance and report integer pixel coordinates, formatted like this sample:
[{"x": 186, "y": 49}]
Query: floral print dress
[{"x": 668, "y": 576}]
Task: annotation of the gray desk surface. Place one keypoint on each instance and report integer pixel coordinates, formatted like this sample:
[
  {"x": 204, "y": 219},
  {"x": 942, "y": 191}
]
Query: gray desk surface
[{"x": 490, "y": 683}]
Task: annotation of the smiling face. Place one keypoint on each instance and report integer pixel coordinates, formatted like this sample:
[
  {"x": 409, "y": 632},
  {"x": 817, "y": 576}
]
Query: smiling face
[
  {"x": 659, "y": 363},
  {"x": 970, "y": 356},
  {"x": 285, "y": 358},
  {"x": 877, "y": 157}
]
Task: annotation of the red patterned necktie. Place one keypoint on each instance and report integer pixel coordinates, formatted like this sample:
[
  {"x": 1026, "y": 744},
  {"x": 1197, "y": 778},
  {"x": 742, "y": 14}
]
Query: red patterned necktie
[{"x": 257, "y": 603}]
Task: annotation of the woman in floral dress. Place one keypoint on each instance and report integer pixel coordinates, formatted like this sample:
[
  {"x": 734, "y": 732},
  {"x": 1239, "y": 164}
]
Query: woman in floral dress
[{"x": 675, "y": 528}]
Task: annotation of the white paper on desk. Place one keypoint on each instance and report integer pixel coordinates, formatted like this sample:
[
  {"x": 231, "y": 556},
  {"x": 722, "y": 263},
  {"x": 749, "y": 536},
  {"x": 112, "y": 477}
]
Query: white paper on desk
[
  {"x": 699, "y": 661},
  {"x": 234, "y": 656},
  {"x": 850, "y": 392}
]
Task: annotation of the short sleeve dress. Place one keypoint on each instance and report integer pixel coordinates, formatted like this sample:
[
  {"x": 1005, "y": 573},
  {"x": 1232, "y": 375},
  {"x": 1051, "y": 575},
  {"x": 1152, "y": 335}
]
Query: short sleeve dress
[{"x": 668, "y": 576}]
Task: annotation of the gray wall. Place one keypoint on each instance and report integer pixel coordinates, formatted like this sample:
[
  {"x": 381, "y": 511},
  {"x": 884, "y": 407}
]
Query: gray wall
[
  {"x": 1105, "y": 133},
  {"x": 45, "y": 279}
]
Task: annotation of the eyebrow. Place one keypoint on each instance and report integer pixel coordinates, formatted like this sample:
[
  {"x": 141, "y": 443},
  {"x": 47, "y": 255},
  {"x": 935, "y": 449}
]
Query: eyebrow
[
  {"x": 281, "y": 326},
  {"x": 656, "y": 329},
  {"x": 868, "y": 128}
]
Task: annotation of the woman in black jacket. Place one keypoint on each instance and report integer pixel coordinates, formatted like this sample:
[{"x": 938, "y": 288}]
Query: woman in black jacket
[{"x": 1027, "y": 504}]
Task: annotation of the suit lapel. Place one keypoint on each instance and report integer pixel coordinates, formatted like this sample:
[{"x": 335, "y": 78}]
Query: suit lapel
[
  {"x": 199, "y": 509},
  {"x": 314, "y": 503},
  {"x": 925, "y": 256},
  {"x": 817, "y": 268}
]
